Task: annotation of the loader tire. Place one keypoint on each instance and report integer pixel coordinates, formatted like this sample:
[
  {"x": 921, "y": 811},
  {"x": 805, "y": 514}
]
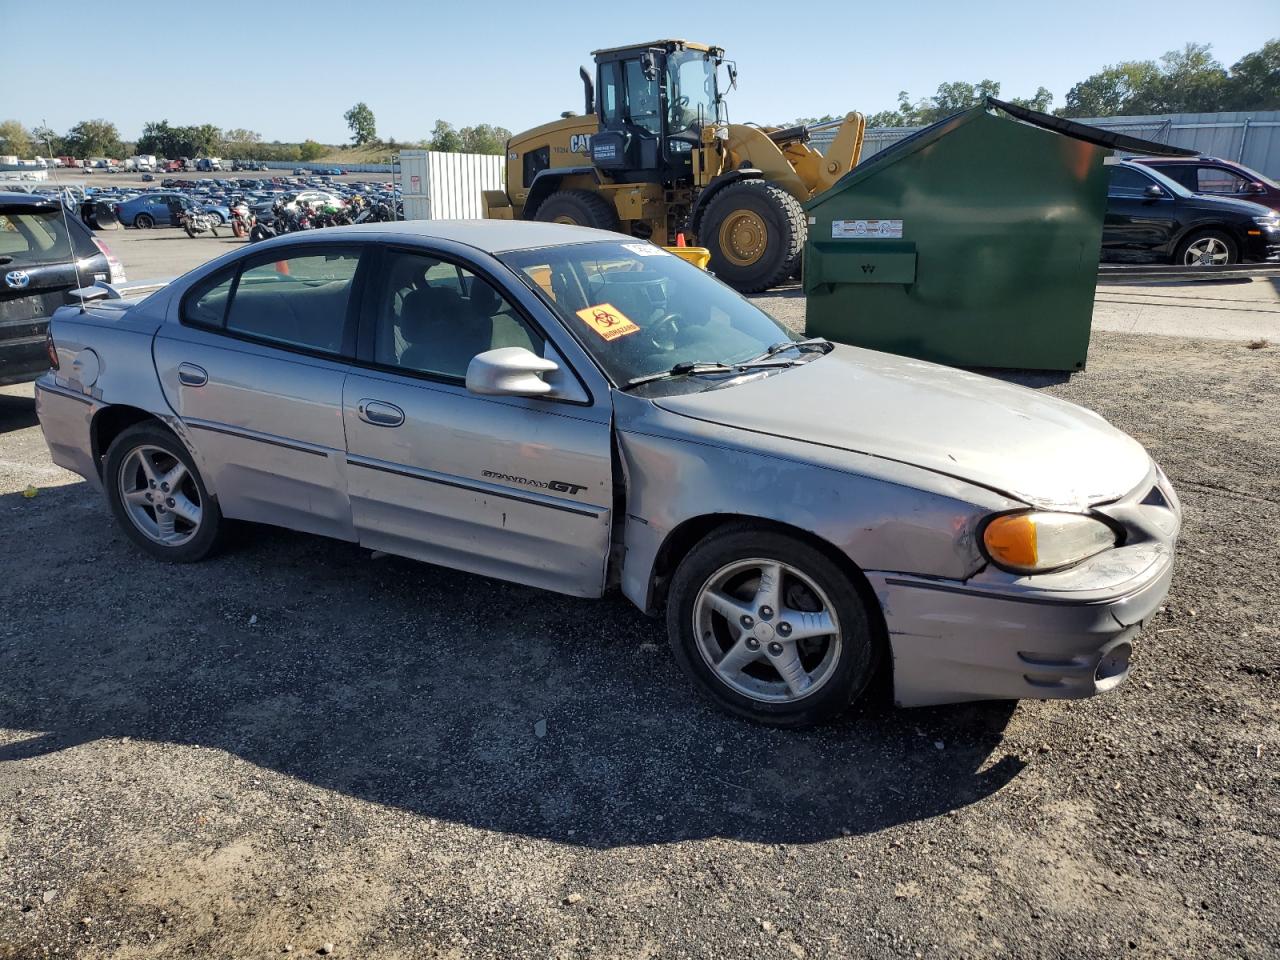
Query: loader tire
[
  {"x": 755, "y": 231},
  {"x": 581, "y": 208}
]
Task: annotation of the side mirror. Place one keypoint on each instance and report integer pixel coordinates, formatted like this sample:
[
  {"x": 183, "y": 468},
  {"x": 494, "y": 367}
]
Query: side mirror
[
  {"x": 1154, "y": 192},
  {"x": 1255, "y": 187},
  {"x": 509, "y": 372}
]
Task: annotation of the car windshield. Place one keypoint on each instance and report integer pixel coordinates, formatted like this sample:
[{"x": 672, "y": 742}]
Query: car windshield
[
  {"x": 32, "y": 237},
  {"x": 640, "y": 310}
]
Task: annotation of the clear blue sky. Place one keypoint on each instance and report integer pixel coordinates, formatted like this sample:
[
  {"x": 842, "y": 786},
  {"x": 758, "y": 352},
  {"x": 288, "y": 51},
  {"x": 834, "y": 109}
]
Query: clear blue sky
[{"x": 290, "y": 70}]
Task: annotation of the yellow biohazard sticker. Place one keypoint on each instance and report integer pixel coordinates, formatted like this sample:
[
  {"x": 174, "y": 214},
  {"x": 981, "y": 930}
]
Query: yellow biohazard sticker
[{"x": 608, "y": 321}]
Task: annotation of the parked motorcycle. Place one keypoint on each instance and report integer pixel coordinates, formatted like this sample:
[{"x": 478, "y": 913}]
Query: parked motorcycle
[
  {"x": 242, "y": 219},
  {"x": 196, "y": 222}
]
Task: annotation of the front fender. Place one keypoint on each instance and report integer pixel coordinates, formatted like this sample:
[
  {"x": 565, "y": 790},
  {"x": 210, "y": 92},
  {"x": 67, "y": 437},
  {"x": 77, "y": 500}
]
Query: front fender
[{"x": 882, "y": 514}]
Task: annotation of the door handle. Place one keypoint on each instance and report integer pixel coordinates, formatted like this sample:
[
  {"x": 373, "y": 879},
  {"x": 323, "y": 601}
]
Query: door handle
[
  {"x": 380, "y": 413},
  {"x": 192, "y": 376}
]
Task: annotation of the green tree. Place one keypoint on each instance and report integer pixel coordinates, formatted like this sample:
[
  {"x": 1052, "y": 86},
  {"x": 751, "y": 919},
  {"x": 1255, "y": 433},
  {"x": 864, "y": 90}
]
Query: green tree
[
  {"x": 94, "y": 138},
  {"x": 1190, "y": 81},
  {"x": 311, "y": 150},
  {"x": 1041, "y": 101},
  {"x": 47, "y": 142},
  {"x": 1112, "y": 90},
  {"x": 1255, "y": 79},
  {"x": 445, "y": 139},
  {"x": 360, "y": 119},
  {"x": 484, "y": 138},
  {"x": 14, "y": 139}
]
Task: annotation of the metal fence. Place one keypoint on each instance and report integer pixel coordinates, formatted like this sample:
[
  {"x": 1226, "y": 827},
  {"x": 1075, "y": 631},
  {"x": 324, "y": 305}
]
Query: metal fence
[{"x": 1248, "y": 137}]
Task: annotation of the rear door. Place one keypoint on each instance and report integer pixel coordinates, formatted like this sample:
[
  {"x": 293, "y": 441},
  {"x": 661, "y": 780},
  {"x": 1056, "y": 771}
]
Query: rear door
[
  {"x": 512, "y": 487},
  {"x": 255, "y": 369}
]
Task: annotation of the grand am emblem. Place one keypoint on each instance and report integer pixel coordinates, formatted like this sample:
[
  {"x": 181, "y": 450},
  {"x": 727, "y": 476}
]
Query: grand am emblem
[{"x": 18, "y": 279}]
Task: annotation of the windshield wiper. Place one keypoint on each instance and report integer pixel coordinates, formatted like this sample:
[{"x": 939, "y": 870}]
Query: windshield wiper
[
  {"x": 812, "y": 343},
  {"x": 693, "y": 368}
]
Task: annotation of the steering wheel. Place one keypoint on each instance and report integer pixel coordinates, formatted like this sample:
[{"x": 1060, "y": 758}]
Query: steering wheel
[{"x": 663, "y": 333}]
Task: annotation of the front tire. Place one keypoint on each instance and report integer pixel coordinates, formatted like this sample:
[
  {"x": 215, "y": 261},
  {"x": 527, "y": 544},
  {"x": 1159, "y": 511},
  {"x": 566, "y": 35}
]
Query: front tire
[
  {"x": 1207, "y": 248},
  {"x": 770, "y": 628},
  {"x": 580, "y": 208},
  {"x": 158, "y": 496},
  {"x": 756, "y": 233}
]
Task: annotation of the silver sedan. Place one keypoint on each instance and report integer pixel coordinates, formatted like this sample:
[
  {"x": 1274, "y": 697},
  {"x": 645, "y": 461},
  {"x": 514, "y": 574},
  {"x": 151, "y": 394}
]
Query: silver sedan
[{"x": 581, "y": 412}]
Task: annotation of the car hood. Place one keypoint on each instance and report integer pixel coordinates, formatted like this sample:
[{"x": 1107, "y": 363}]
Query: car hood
[
  {"x": 1035, "y": 448},
  {"x": 1245, "y": 208}
]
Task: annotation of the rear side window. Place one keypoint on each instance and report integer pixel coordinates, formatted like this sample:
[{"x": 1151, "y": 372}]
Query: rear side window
[
  {"x": 30, "y": 238},
  {"x": 296, "y": 301}
]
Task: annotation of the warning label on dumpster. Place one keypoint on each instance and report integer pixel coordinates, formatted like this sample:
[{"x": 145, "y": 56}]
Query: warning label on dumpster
[
  {"x": 608, "y": 321},
  {"x": 866, "y": 229}
]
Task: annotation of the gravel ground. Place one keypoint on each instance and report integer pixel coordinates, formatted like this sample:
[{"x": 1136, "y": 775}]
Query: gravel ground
[{"x": 297, "y": 748}]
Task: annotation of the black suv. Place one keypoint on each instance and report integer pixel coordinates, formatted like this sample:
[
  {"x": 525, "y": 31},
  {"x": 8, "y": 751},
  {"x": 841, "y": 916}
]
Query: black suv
[
  {"x": 1153, "y": 219},
  {"x": 37, "y": 274}
]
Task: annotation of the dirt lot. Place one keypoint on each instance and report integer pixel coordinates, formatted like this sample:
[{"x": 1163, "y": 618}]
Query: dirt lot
[{"x": 295, "y": 747}]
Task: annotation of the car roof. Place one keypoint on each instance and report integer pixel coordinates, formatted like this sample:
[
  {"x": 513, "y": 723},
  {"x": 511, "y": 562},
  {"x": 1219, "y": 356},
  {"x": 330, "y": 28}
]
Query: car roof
[
  {"x": 491, "y": 236},
  {"x": 27, "y": 198}
]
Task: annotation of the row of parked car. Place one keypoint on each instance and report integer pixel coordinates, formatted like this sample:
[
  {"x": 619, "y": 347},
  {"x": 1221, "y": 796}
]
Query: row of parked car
[{"x": 164, "y": 205}]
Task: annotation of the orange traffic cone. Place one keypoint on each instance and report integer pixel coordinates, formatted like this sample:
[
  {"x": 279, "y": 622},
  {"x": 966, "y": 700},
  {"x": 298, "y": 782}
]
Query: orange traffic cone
[{"x": 680, "y": 240}]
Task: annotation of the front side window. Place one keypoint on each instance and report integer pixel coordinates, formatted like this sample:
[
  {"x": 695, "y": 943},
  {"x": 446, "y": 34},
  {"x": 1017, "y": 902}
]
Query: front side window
[
  {"x": 434, "y": 316},
  {"x": 1127, "y": 182},
  {"x": 640, "y": 310},
  {"x": 294, "y": 301}
]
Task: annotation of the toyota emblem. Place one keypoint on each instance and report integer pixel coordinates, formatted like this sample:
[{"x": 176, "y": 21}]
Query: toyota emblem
[{"x": 18, "y": 279}]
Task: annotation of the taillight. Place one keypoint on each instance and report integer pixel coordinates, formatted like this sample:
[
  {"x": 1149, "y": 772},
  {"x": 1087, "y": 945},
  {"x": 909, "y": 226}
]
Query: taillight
[{"x": 51, "y": 349}]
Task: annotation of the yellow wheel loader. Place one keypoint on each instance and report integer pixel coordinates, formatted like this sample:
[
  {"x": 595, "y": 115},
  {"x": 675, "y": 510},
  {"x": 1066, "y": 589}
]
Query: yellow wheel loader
[{"x": 655, "y": 156}]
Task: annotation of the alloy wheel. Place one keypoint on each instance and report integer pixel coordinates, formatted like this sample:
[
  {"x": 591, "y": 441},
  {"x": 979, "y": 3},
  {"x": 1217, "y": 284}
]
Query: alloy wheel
[
  {"x": 767, "y": 630},
  {"x": 160, "y": 495},
  {"x": 1206, "y": 252}
]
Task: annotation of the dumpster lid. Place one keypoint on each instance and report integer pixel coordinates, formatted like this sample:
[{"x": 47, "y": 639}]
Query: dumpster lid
[
  {"x": 1095, "y": 135},
  {"x": 935, "y": 131}
]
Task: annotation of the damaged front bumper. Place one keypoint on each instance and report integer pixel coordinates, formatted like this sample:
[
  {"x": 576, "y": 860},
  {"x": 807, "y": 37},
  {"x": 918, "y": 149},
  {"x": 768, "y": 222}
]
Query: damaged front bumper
[{"x": 1062, "y": 635}]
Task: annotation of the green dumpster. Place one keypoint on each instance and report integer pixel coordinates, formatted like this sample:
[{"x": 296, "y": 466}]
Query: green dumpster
[{"x": 973, "y": 242}]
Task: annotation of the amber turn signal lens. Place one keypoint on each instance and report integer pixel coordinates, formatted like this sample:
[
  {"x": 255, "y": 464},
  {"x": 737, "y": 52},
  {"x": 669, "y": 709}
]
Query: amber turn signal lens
[
  {"x": 1011, "y": 541},
  {"x": 1037, "y": 541}
]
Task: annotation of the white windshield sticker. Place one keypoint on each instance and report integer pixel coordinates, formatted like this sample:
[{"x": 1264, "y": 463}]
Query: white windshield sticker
[
  {"x": 645, "y": 250},
  {"x": 866, "y": 229}
]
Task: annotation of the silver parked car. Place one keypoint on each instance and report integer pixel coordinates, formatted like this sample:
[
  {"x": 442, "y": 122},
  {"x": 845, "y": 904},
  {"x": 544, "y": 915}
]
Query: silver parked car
[{"x": 574, "y": 410}]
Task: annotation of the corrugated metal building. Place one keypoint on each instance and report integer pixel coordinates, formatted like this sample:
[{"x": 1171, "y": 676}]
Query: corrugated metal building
[{"x": 1251, "y": 137}]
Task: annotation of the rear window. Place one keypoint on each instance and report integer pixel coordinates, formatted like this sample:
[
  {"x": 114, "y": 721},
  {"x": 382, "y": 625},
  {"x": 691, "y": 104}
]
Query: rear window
[{"x": 32, "y": 238}]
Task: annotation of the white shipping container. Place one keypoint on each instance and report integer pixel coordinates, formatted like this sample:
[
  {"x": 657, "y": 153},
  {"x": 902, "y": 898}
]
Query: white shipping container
[{"x": 447, "y": 186}]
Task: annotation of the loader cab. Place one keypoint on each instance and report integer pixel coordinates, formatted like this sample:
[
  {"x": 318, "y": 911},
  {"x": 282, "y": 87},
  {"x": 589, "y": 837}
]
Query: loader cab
[{"x": 653, "y": 102}]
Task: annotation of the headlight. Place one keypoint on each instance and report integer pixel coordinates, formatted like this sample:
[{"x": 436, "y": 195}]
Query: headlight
[
  {"x": 1037, "y": 541},
  {"x": 1272, "y": 222}
]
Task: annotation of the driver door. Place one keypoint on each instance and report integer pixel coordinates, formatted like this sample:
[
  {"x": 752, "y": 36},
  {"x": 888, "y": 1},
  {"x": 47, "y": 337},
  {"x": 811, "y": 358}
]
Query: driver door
[{"x": 517, "y": 488}]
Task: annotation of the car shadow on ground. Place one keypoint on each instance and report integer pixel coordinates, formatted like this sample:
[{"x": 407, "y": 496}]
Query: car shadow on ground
[
  {"x": 447, "y": 695},
  {"x": 16, "y": 413}
]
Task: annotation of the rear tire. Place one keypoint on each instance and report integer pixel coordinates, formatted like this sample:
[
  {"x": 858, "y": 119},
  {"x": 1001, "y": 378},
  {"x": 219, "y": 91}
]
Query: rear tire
[
  {"x": 1207, "y": 247},
  {"x": 581, "y": 208},
  {"x": 144, "y": 221},
  {"x": 755, "y": 231},
  {"x": 715, "y": 612},
  {"x": 181, "y": 523}
]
